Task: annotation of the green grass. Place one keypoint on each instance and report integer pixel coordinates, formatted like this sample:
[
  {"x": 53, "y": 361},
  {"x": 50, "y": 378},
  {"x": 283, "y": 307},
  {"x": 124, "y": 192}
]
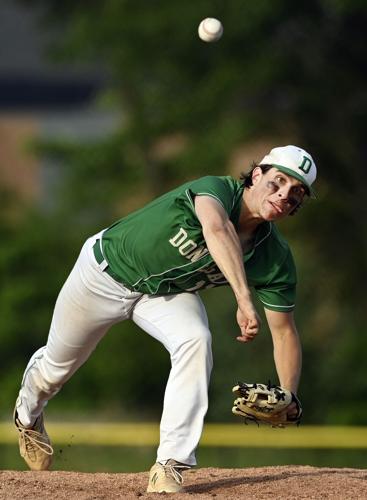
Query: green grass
[
  {"x": 126, "y": 447},
  {"x": 215, "y": 435},
  {"x": 137, "y": 459}
]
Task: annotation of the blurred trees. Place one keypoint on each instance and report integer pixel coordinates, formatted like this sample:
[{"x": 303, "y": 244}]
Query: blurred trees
[{"x": 292, "y": 71}]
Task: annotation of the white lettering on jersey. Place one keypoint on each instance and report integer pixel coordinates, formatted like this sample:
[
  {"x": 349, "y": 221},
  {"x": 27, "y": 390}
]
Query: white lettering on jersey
[
  {"x": 198, "y": 285},
  {"x": 191, "y": 251},
  {"x": 216, "y": 278},
  {"x": 179, "y": 238},
  {"x": 197, "y": 254},
  {"x": 210, "y": 269},
  {"x": 188, "y": 248},
  {"x": 214, "y": 275}
]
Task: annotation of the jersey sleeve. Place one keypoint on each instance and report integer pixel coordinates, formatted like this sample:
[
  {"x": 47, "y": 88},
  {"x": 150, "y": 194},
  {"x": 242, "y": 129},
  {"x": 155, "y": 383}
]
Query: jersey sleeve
[
  {"x": 280, "y": 293},
  {"x": 218, "y": 188}
]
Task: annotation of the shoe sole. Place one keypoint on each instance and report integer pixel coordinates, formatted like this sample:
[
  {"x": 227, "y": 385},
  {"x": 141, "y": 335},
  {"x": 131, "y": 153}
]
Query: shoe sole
[{"x": 152, "y": 490}]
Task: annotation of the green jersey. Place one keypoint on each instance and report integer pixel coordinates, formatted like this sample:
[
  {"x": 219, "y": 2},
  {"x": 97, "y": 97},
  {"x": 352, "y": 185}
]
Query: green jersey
[{"x": 160, "y": 249}]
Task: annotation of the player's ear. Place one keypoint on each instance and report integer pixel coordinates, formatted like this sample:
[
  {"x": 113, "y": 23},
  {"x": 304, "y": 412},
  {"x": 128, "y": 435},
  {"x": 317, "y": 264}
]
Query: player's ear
[{"x": 257, "y": 174}]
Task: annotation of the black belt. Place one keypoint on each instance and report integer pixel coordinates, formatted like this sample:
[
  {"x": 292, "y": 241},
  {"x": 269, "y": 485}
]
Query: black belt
[{"x": 100, "y": 258}]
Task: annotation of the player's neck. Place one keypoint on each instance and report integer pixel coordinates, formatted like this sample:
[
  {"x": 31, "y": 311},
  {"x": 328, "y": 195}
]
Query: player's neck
[{"x": 248, "y": 220}]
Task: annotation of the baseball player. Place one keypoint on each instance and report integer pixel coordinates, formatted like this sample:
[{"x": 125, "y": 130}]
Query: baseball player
[{"x": 149, "y": 267}]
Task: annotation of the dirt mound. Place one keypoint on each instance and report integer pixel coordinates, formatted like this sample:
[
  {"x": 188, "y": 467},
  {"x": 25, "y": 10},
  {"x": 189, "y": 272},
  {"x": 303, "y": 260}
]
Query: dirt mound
[{"x": 301, "y": 482}]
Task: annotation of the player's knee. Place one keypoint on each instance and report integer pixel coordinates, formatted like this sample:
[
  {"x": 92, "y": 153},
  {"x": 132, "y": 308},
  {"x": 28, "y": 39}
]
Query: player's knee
[
  {"x": 199, "y": 343},
  {"x": 200, "y": 336}
]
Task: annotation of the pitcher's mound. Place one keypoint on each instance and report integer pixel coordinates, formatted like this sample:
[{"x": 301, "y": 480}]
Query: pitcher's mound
[{"x": 288, "y": 482}]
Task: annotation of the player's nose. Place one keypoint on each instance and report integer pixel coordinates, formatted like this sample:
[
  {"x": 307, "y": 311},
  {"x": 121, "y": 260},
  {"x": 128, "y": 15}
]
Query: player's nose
[{"x": 283, "y": 192}]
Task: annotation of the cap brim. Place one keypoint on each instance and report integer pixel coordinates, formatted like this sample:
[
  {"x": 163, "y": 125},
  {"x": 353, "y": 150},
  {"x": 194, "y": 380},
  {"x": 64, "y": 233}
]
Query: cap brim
[{"x": 299, "y": 177}]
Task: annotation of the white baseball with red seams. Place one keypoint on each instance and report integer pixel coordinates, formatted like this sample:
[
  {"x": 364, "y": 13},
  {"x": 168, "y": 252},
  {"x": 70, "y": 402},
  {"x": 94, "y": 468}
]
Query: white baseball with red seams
[{"x": 210, "y": 29}]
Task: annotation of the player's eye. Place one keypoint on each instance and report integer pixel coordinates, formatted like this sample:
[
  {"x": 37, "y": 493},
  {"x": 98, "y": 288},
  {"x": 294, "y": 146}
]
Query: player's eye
[
  {"x": 279, "y": 179},
  {"x": 276, "y": 183},
  {"x": 293, "y": 201}
]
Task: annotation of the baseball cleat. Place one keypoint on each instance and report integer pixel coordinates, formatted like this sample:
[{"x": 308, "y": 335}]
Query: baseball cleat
[
  {"x": 34, "y": 444},
  {"x": 166, "y": 478}
]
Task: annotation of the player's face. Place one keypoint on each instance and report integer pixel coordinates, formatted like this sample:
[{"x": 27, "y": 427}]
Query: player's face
[{"x": 277, "y": 194}]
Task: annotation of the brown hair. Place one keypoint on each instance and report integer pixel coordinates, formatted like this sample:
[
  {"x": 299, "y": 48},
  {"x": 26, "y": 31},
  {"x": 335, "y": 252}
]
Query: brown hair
[{"x": 246, "y": 177}]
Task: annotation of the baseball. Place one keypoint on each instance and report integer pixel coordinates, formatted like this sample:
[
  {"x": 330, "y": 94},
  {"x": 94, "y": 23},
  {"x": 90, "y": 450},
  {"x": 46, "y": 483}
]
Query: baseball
[{"x": 210, "y": 29}]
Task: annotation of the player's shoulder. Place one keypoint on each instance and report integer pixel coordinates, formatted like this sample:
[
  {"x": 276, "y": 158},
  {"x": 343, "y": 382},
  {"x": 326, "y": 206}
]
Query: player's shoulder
[
  {"x": 225, "y": 189},
  {"x": 221, "y": 184}
]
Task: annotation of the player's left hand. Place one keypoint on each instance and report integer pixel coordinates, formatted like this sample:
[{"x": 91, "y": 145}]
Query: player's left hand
[
  {"x": 290, "y": 412},
  {"x": 270, "y": 404}
]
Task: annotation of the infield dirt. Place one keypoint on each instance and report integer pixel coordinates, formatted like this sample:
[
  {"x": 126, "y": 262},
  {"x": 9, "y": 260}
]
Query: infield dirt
[{"x": 286, "y": 482}]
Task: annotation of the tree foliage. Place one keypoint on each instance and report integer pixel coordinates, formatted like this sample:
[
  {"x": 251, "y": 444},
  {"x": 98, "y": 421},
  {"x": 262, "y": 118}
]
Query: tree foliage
[{"x": 294, "y": 71}]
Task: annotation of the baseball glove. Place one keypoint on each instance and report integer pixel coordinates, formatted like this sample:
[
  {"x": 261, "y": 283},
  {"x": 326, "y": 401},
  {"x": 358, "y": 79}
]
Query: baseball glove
[{"x": 262, "y": 403}]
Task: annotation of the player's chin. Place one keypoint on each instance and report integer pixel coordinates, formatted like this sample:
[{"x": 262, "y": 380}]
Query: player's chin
[
  {"x": 271, "y": 217},
  {"x": 272, "y": 214}
]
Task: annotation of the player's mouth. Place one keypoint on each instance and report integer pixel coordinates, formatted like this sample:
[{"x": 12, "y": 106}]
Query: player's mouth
[{"x": 277, "y": 208}]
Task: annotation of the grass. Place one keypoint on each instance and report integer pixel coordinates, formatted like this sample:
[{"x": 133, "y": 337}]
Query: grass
[
  {"x": 215, "y": 435},
  {"x": 136, "y": 459},
  {"x": 127, "y": 447}
]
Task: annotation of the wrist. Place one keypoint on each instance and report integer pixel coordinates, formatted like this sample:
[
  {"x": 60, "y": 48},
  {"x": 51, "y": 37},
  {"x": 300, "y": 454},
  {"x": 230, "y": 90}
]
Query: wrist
[
  {"x": 244, "y": 300},
  {"x": 290, "y": 387}
]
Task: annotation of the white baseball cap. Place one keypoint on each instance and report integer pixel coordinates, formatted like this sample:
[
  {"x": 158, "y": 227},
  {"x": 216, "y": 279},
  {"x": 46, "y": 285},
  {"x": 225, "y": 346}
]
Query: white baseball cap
[{"x": 295, "y": 162}]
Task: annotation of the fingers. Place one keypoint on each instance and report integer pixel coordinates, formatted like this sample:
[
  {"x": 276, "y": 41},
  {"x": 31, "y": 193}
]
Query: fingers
[
  {"x": 249, "y": 331},
  {"x": 244, "y": 339},
  {"x": 291, "y": 411},
  {"x": 249, "y": 323},
  {"x": 252, "y": 327}
]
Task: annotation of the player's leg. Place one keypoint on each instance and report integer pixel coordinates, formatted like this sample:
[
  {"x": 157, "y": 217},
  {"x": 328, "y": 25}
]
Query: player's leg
[
  {"x": 88, "y": 304},
  {"x": 180, "y": 323}
]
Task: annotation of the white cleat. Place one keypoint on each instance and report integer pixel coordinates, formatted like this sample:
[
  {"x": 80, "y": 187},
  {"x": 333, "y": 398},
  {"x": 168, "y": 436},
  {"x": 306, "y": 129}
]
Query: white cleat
[
  {"x": 166, "y": 478},
  {"x": 34, "y": 444}
]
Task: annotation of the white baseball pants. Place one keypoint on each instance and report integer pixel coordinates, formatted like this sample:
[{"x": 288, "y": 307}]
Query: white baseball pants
[{"x": 89, "y": 303}]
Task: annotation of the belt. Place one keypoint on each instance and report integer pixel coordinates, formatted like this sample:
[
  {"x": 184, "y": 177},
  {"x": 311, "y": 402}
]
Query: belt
[{"x": 102, "y": 262}]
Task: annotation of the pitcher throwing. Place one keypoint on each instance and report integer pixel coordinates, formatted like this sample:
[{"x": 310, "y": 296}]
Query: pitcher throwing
[{"x": 149, "y": 267}]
